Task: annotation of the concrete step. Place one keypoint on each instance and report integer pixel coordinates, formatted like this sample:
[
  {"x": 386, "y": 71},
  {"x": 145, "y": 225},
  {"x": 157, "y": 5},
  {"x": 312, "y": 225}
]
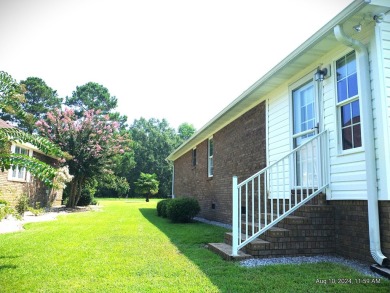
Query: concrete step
[
  {"x": 225, "y": 251},
  {"x": 255, "y": 244}
]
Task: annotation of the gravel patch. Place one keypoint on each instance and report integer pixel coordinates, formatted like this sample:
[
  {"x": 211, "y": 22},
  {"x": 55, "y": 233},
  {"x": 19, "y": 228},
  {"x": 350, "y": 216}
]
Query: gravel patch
[
  {"x": 354, "y": 264},
  {"x": 215, "y": 223}
]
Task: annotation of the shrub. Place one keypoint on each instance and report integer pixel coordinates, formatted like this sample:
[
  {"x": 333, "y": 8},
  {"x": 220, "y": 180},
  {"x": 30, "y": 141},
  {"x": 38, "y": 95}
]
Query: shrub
[
  {"x": 182, "y": 210},
  {"x": 22, "y": 204},
  {"x": 162, "y": 207},
  {"x": 37, "y": 210}
]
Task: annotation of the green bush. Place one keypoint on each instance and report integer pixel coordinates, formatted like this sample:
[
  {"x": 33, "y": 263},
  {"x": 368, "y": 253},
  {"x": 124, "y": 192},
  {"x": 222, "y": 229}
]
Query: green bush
[
  {"x": 162, "y": 208},
  {"x": 182, "y": 210},
  {"x": 22, "y": 204}
]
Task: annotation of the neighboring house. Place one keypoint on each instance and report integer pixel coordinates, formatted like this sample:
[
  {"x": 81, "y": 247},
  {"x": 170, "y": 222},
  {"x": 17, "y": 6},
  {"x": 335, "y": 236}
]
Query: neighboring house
[
  {"x": 317, "y": 127},
  {"x": 18, "y": 181}
]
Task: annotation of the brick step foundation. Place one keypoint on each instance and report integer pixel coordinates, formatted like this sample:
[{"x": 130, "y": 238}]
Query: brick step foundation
[{"x": 307, "y": 232}]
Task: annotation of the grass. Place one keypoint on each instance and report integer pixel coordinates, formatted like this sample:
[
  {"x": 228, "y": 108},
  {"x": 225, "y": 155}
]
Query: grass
[{"x": 125, "y": 247}]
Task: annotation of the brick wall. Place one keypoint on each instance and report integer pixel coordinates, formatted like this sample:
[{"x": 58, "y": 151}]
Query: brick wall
[
  {"x": 239, "y": 149},
  {"x": 11, "y": 190},
  {"x": 351, "y": 229}
]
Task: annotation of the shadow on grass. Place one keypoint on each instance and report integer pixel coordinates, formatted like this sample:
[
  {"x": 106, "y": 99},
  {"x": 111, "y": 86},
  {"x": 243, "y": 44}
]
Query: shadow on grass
[
  {"x": 4, "y": 267},
  {"x": 191, "y": 240}
]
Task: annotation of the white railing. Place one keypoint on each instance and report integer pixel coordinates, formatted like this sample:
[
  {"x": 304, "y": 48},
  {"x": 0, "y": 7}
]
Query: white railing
[{"x": 270, "y": 195}]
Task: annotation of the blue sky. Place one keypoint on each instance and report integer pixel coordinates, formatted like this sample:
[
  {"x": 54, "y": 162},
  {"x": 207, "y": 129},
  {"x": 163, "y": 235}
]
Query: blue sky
[{"x": 175, "y": 59}]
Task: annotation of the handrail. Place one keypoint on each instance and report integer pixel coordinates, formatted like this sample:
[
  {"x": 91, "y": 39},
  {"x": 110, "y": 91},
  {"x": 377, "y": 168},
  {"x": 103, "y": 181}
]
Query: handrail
[
  {"x": 254, "y": 199},
  {"x": 283, "y": 158}
]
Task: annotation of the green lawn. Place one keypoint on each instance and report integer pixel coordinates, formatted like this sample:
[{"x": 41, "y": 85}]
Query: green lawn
[{"x": 125, "y": 247}]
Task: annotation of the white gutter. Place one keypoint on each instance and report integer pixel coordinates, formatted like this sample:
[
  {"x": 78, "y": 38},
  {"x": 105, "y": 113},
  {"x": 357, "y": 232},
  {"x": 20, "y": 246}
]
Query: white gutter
[{"x": 368, "y": 140}]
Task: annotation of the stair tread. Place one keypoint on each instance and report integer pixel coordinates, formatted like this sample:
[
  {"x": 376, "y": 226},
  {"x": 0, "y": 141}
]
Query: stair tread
[
  {"x": 256, "y": 241},
  {"x": 291, "y": 217},
  {"x": 274, "y": 228},
  {"x": 225, "y": 250}
]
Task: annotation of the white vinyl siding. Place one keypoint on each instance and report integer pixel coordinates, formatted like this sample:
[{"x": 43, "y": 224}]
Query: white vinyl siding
[
  {"x": 278, "y": 117},
  {"x": 381, "y": 87},
  {"x": 278, "y": 142},
  {"x": 347, "y": 170}
]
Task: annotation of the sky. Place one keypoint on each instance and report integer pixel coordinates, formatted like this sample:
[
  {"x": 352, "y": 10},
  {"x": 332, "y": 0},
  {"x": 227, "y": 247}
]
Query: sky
[{"x": 181, "y": 60}]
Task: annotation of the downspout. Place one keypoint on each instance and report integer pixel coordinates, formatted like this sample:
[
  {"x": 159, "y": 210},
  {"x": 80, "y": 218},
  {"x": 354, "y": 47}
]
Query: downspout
[
  {"x": 173, "y": 180},
  {"x": 368, "y": 139},
  {"x": 173, "y": 176}
]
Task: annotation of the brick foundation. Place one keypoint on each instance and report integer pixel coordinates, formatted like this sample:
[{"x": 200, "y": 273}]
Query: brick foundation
[{"x": 351, "y": 226}]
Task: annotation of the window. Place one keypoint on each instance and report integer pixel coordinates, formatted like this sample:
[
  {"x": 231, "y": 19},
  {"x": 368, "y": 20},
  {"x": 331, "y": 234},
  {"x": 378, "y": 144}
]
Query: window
[
  {"x": 194, "y": 157},
  {"x": 210, "y": 157},
  {"x": 348, "y": 107},
  {"x": 16, "y": 172}
]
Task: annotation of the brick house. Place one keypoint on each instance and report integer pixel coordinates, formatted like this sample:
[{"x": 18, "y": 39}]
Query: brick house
[
  {"x": 299, "y": 164},
  {"x": 18, "y": 181}
]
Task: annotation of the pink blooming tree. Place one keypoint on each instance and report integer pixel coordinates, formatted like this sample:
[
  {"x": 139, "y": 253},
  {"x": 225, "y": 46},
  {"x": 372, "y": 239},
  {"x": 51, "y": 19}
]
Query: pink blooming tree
[{"x": 92, "y": 141}]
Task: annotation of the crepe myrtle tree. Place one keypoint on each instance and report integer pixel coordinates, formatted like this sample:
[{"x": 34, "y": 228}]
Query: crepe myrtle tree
[
  {"x": 92, "y": 140},
  {"x": 147, "y": 184}
]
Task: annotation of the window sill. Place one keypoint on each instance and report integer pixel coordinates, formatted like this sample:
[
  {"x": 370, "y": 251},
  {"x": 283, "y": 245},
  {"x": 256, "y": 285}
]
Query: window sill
[
  {"x": 350, "y": 152},
  {"x": 17, "y": 180}
]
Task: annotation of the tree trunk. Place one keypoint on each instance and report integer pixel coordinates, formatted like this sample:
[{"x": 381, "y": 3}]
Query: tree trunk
[{"x": 76, "y": 186}]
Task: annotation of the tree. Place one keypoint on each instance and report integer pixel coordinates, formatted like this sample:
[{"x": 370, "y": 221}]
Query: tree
[
  {"x": 91, "y": 96},
  {"x": 11, "y": 97},
  {"x": 93, "y": 141},
  {"x": 185, "y": 131},
  {"x": 153, "y": 140},
  {"x": 147, "y": 184},
  {"x": 40, "y": 99}
]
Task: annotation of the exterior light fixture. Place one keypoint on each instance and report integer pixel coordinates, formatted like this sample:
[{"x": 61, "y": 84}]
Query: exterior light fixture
[
  {"x": 320, "y": 74},
  {"x": 358, "y": 28}
]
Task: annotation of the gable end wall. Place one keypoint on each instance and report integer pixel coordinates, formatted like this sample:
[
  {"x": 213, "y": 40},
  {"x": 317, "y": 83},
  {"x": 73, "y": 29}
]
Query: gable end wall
[{"x": 239, "y": 150}]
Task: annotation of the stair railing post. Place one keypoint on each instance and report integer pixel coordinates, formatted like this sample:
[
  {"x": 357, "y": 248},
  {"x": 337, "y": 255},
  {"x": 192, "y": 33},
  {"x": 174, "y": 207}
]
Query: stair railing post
[{"x": 235, "y": 217}]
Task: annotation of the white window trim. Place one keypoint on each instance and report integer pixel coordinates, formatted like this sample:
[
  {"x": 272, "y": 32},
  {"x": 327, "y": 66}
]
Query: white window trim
[
  {"x": 10, "y": 171},
  {"x": 338, "y": 105},
  {"x": 194, "y": 157},
  {"x": 210, "y": 172}
]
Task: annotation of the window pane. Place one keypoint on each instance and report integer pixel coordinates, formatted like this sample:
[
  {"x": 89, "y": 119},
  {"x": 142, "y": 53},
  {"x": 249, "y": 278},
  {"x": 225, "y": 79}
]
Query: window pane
[
  {"x": 352, "y": 86},
  {"x": 341, "y": 69},
  {"x": 347, "y": 138},
  {"x": 341, "y": 90},
  {"x": 211, "y": 147},
  {"x": 346, "y": 115},
  {"x": 351, "y": 63},
  {"x": 355, "y": 112},
  {"x": 357, "y": 136}
]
